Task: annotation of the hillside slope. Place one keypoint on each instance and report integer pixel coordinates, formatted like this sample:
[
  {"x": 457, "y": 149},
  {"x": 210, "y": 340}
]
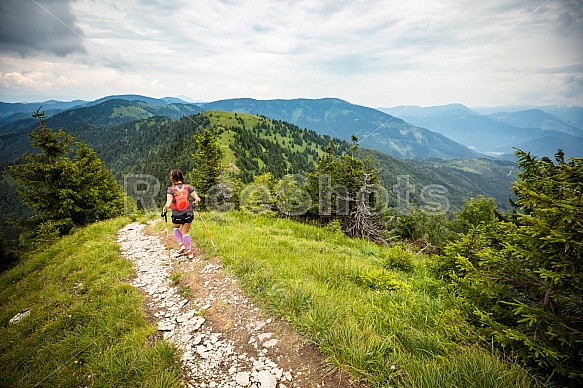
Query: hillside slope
[
  {"x": 83, "y": 324},
  {"x": 460, "y": 179},
  {"x": 341, "y": 119},
  {"x": 83, "y": 122},
  {"x": 329, "y": 116}
]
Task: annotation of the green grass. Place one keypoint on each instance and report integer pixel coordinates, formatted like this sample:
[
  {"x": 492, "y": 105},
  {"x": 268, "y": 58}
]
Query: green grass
[
  {"x": 374, "y": 311},
  {"x": 228, "y": 119},
  {"x": 86, "y": 324},
  {"x": 383, "y": 320},
  {"x": 130, "y": 111},
  {"x": 228, "y": 154}
]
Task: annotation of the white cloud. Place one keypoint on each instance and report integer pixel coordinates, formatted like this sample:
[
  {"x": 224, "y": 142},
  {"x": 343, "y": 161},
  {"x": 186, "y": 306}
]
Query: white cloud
[
  {"x": 16, "y": 80},
  {"x": 375, "y": 53}
]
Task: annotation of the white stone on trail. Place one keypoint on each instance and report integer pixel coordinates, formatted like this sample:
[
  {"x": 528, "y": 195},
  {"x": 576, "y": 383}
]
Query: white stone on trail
[
  {"x": 207, "y": 359},
  {"x": 242, "y": 378},
  {"x": 165, "y": 326},
  {"x": 264, "y": 336},
  {"x": 270, "y": 343},
  {"x": 266, "y": 379}
]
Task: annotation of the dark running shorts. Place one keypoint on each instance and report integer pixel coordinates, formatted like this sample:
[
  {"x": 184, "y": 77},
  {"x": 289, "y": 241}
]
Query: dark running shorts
[{"x": 184, "y": 218}]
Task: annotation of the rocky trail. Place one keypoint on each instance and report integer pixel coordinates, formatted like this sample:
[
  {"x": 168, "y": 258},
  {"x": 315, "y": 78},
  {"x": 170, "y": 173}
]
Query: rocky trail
[{"x": 224, "y": 339}]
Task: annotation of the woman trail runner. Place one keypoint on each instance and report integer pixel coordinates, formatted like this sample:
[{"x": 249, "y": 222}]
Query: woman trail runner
[{"x": 178, "y": 198}]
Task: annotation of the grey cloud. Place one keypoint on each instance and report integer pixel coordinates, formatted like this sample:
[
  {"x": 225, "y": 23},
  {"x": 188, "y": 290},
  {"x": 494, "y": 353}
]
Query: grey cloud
[
  {"x": 262, "y": 28},
  {"x": 351, "y": 64},
  {"x": 576, "y": 69},
  {"x": 158, "y": 5},
  {"x": 574, "y": 87},
  {"x": 48, "y": 26},
  {"x": 571, "y": 17}
]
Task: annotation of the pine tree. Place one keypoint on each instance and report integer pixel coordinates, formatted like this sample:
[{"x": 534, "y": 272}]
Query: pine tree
[
  {"x": 61, "y": 192},
  {"x": 99, "y": 194},
  {"x": 522, "y": 280},
  {"x": 289, "y": 198},
  {"x": 208, "y": 164},
  {"x": 46, "y": 180},
  {"x": 545, "y": 245},
  {"x": 258, "y": 198}
]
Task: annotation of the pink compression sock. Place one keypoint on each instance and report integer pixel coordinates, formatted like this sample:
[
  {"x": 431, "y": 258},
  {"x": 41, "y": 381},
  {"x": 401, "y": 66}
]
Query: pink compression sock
[
  {"x": 187, "y": 242},
  {"x": 178, "y": 235}
]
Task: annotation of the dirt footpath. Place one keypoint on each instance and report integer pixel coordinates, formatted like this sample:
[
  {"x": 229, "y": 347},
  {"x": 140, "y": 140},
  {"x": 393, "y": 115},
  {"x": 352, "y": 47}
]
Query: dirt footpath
[{"x": 224, "y": 339}]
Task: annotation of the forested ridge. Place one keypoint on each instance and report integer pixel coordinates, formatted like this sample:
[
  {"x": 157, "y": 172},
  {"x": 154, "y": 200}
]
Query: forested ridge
[
  {"x": 157, "y": 144},
  {"x": 131, "y": 137}
]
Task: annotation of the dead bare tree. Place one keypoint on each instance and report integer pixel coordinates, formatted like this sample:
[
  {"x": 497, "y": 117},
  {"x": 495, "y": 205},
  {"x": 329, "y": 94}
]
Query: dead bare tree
[{"x": 363, "y": 221}]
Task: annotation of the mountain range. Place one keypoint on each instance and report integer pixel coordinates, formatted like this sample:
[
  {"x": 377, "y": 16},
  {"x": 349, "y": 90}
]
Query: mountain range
[
  {"x": 138, "y": 137},
  {"x": 499, "y": 133},
  {"x": 340, "y": 119},
  {"x": 332, "y": 117},
  {"x": 447, "y": 131}
]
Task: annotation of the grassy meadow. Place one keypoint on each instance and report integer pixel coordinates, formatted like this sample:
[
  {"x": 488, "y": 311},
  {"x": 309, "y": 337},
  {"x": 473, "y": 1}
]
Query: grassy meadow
[
  {"x": 86, "y": 325},
  {"x": 374, "y": 311}
]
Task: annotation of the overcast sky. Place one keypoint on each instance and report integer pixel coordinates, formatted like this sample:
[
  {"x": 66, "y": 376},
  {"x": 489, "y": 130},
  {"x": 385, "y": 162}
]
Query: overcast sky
[{"x": 372, "y": 53}]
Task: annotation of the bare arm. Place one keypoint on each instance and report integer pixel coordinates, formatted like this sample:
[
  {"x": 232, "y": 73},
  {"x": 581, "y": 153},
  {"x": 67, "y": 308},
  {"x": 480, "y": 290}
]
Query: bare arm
[
  {"x": 168, "y": 201},
  {"x": 196, "y": 197}
]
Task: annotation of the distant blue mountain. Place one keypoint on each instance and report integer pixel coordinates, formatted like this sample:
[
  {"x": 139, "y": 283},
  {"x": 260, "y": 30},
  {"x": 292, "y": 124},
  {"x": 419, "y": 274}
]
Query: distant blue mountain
[
  {"x": 572, "y": 115},
  {"x": 447, "y": 131},
  {"x": 572, "y": 146},
  {"x": 328, "y": 116},
  {"x": 8, "y": 109},
  {"x": 417, "y": 111},
  {"x": 498, "y": 133},
  {"x": 14, "y": 112},
  {"x": 137, "y": 97},
  {"x": 536, "y": 118}
]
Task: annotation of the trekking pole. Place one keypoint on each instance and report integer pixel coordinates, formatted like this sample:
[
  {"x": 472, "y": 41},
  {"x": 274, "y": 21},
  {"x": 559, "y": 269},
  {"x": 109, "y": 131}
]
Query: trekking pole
[
  {"x": 203, "y": 224},
  {"x": 167, "y": 242}
]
